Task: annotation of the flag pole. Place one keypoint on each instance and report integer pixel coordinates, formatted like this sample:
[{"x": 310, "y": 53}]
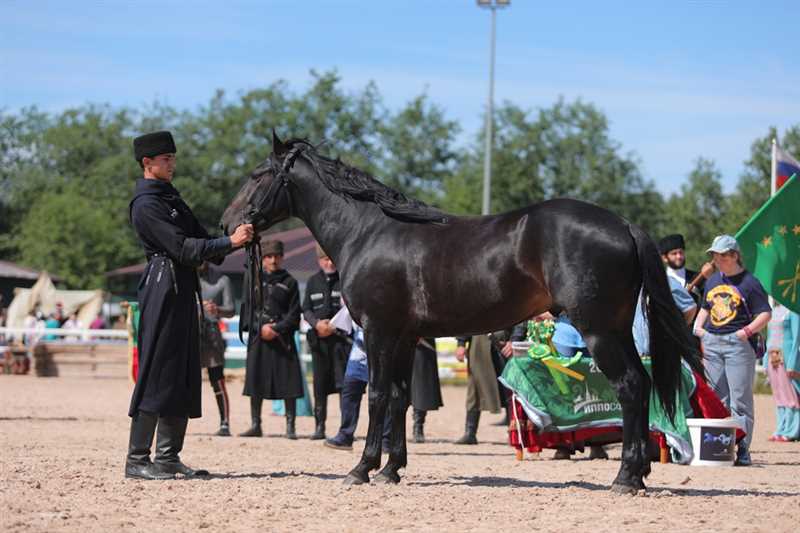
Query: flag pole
[
  {"x": 773, "y": 188},
  {"x": 774, "y": 170}
]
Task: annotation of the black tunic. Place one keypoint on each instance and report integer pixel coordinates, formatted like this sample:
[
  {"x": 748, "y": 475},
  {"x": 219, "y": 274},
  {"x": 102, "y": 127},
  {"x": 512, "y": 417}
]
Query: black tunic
[
  {"x": 175, "y": 244},
  {"x": 273, "y": 367},
  {"x": 426, "y": 392},
  {"x": 323, "y": 299}
]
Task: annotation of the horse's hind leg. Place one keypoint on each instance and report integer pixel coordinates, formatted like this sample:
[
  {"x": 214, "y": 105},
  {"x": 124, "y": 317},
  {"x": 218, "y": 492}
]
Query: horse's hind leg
[
  {"x": 616, "y": 356},
  {"x": 403, "y": 365}
]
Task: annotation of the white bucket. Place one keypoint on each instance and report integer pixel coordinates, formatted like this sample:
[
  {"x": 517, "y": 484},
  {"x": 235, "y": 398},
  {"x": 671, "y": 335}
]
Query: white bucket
[{"x": 713, "y": 441}]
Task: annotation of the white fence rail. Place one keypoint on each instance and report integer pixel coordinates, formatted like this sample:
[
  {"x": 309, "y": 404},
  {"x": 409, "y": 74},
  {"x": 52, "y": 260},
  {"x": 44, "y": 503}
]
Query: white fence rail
[{"x": 76, "y": 334}]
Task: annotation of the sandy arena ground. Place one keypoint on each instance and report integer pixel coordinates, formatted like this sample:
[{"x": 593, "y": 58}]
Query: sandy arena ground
[{"x": 63, "y": 443}]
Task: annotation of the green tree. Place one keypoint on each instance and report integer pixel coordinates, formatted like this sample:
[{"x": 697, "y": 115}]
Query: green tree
[
  {"x": 753, "y": 188},
  {"x": 561, "y": 151},
  {"x": 82, "y": 156},
  {"x": 698, "y": 212},
  {"x": 418, "y": 146},
  {"x": 65, "y": 233}
]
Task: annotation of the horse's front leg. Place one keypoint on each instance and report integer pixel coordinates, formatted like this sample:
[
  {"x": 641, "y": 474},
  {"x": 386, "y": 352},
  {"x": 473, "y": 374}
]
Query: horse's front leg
[
  {"x": 403, "y": 360},
  {"x": 380, "y": 380}
]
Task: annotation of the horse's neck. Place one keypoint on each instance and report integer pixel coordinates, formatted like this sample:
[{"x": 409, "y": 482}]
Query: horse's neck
[{"x": 335, "y": 222}]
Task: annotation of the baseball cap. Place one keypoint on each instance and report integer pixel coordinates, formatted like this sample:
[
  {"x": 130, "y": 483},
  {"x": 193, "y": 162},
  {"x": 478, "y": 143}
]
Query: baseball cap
[{"x": 722, "y": 244}]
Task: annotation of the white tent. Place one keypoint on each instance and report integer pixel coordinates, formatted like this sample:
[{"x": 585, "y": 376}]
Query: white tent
[{"x": 87, "y": 304}]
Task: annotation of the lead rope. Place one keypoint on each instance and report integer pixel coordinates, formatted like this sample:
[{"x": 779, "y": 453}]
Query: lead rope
[{"x": 254, "y": 294}]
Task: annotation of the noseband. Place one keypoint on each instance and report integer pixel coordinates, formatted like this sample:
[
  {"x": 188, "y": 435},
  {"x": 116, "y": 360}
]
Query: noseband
[{"x": 253, "y": 215}]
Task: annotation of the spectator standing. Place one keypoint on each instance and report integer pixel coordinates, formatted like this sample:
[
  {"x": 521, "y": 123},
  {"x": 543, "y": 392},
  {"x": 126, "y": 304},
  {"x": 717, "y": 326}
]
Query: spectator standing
[
  {"x": 426, "y": 392},
  {"x": 273, "y": 366},
  {"x": 98, "y": 323},
  {"x": 782, "y": 362},
  {"x": 71, "y": 323},
  {"x": 51, "y": 322},
  {"x": 217, "y": 295},
  {"x": 673, "y": 253},
  {"x": 734, "y": 308},
  {"x": 356, "y": 378},
  {"x": 483, "y": 392},
  {"x": 329, "y": 349}
]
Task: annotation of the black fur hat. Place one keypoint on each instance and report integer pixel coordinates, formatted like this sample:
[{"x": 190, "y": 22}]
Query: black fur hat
[
  {"x": 671, "y": 242},
  {"x": 153, "y": 144}
]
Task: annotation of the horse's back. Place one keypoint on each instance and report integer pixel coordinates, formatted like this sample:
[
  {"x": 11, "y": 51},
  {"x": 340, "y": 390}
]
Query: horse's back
[
  {"x": 504, "y": 268},
  {"x": 588, "y": 258}
]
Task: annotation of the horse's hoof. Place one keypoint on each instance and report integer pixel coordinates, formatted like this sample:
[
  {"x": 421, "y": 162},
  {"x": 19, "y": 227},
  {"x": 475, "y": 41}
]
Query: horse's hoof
[
  {"x": 619, "y": 488},
  {"x": 384, "y": 478},
  {"x": 353, "y": 479}
]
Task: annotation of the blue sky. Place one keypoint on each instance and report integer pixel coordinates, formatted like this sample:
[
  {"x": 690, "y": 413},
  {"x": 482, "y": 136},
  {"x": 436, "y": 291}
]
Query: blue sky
[{"x": 677, "y": 80}]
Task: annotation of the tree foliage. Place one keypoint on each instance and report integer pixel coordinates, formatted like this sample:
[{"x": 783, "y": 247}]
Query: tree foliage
[
  {"x": 66, "y": 178},
  {"x": 561, "y": 151}
]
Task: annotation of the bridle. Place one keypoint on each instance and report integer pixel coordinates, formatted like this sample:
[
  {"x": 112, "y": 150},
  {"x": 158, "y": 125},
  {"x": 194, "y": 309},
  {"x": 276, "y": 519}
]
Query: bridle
[{"x": 253, "y": 215}]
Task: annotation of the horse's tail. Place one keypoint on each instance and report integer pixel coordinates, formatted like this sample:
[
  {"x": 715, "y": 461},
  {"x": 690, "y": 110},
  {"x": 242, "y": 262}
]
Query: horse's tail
[{"x": 670, "y": 339}]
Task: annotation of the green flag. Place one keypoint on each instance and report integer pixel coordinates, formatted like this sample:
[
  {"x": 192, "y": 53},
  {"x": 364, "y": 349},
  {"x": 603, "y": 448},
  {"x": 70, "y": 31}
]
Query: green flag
[{"x": 770, "y": 243}]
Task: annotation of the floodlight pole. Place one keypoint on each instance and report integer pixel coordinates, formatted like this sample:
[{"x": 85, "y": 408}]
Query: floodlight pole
[{"x": 493, "y": 5}]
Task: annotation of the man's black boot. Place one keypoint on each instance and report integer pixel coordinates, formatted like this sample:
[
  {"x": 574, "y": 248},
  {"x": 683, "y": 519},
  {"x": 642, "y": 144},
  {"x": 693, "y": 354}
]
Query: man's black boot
[
  {"x": 255, "y": 415},
  {"x": 470, "y": 428},
  {"x": 169, "y": 443},
  {"x": 419, "y": 425},
  {"x": 137, "y": 463},
  {"x": 291, "y": 412},
  {"x": 320, "y": 414}
]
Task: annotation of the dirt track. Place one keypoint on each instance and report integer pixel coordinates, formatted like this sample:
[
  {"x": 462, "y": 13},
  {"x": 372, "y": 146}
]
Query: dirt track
[{"x": 63, "y": 443}]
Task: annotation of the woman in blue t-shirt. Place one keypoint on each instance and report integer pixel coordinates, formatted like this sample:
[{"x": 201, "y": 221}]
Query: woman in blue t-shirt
[{"x": 733, "y": 309}]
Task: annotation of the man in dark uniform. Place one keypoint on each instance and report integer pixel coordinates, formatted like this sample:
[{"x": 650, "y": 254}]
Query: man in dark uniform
[
  {"x": 273, "y": 366},
  {"x": 329, "y": 349},
  {"x": 426, "y": 392},
  {"x": 217, "y": 294},
  {"x": 673, "y": 252},
  {"x": 167, "y": 391},
  {"x": 486, "y": 357}
]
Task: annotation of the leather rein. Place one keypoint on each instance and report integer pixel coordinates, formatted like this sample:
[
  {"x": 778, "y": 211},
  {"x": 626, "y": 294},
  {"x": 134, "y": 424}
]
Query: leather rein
[{"x": 253, "y": 215}]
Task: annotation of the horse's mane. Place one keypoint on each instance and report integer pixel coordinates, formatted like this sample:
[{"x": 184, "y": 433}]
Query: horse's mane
[{"x": 351, "y": 182}]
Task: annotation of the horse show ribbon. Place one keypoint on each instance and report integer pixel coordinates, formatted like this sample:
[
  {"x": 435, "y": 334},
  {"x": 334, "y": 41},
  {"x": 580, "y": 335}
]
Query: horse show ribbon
[{"x": 540, "y": 333}]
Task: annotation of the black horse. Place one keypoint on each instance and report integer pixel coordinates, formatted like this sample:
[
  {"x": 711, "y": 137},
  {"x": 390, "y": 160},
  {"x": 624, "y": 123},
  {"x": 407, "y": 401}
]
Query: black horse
[{"x": 411, "y": 271}]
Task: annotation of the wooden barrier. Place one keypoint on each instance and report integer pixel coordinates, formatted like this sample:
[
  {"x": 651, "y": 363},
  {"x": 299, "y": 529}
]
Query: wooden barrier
[{"x": 86, "y": 359}]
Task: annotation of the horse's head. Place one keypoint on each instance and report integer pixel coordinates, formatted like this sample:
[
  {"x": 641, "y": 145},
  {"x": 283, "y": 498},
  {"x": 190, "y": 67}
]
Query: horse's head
[{"x": 264, "y": 199}]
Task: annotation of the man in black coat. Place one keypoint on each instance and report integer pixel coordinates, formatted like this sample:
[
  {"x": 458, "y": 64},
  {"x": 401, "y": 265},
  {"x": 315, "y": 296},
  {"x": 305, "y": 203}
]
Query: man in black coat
[
  {"x": 426, "y": 392},
  {"x": 329, "y": 348},
  {"x": 167, "y": 391},
  {"x": 273, "y": 366},
  {"x": 673, "y": 252}
]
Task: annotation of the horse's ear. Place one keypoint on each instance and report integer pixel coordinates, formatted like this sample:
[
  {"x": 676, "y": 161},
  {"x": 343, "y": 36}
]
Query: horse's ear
[{"x": 278, "y": 148}]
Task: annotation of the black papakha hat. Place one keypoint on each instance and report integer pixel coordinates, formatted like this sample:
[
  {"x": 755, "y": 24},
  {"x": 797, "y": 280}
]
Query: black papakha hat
[
  {"x": 271, "y": 247},
  {"x": 671, "y": 242},
  {"x": 153, "y": 144}
]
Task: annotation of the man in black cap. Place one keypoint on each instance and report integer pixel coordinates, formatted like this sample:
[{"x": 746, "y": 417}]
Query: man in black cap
[
  {"x": 673, "y": 252},
  {"x": 329, "y": 348},
  {"x": 167, "y": 391},
  {"x": 273, "y": 366}
]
